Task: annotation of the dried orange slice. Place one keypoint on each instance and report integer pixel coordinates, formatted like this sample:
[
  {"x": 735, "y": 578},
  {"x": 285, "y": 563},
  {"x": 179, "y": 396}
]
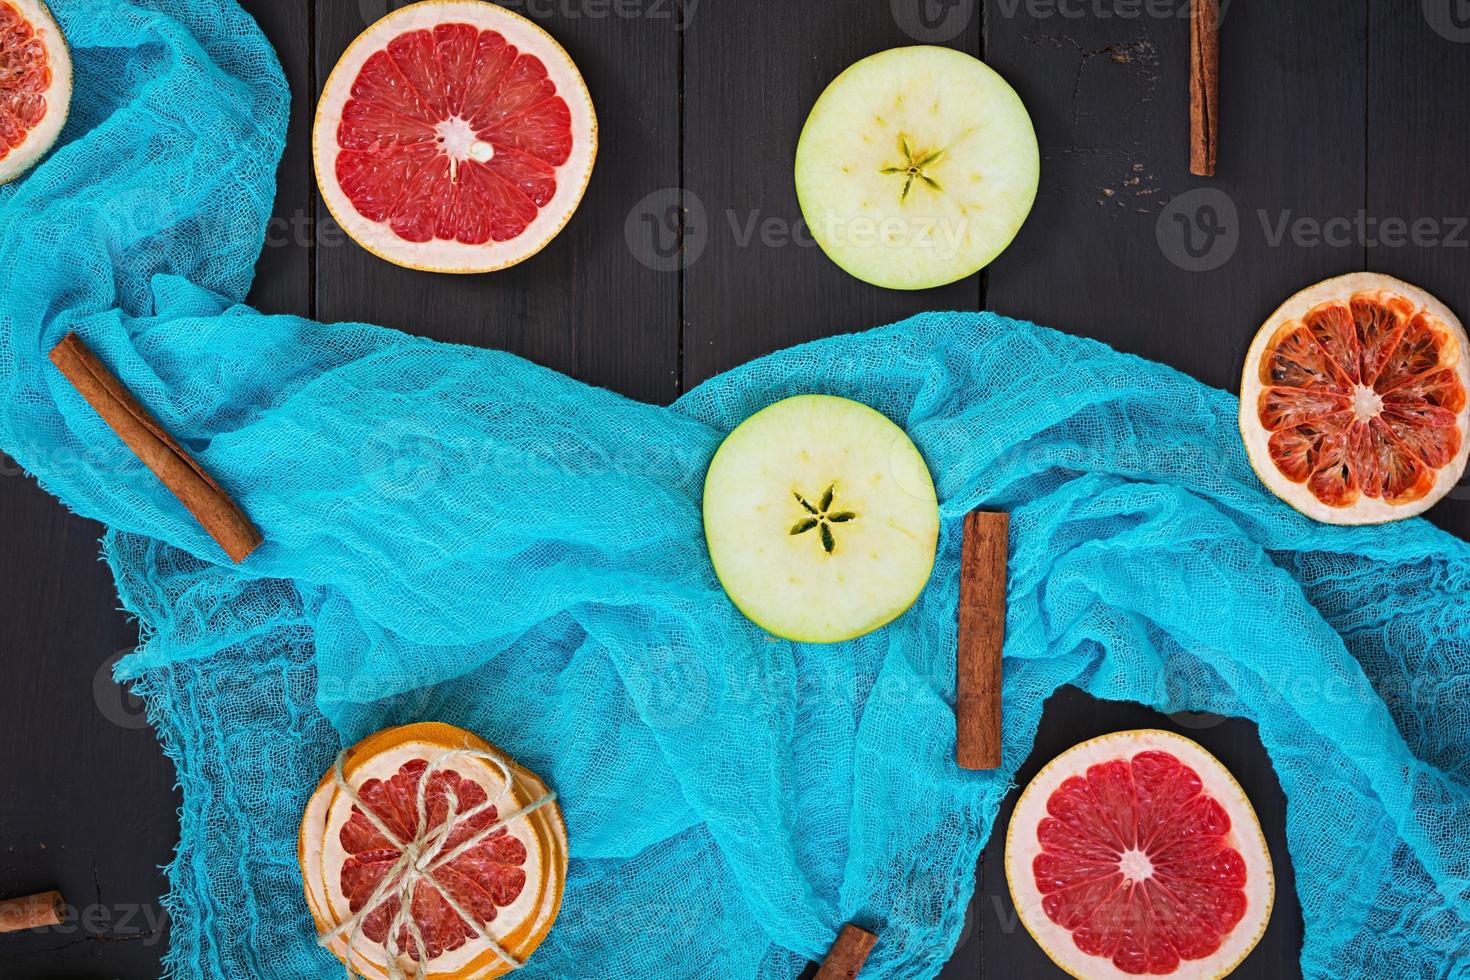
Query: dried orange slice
[
  {"x": 426, "y": 843},
  {"x": 35, "y": 84},
  {"x": 1353, "y": 402}
]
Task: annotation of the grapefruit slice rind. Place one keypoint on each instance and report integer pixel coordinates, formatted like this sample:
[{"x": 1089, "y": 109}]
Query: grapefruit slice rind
[
  {"x": 35, "y": 84},
  {"x": 511, "y": 880},
  {"x": 1137, "y": 853},
  {"x": 454, "y": 136},
  {"x": 1353, "y": 400}
]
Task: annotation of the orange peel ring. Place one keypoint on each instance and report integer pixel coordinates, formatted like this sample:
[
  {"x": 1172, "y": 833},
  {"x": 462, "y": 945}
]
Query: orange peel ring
[{"x": 420, "y": 858}]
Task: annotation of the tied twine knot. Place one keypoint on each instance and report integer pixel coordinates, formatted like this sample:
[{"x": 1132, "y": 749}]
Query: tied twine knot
[{"x": 422, "y": 856}]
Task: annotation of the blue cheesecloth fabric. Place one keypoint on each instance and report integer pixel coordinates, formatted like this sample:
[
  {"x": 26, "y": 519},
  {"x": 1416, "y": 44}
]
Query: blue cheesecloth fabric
[{"x": 459, "y": 535}]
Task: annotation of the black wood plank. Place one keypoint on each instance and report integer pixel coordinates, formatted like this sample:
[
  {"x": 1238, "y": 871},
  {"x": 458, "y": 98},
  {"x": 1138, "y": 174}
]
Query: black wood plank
[
  {"x": 88, "y": 807},
  {"x": 585, "y": 305},
  {"x": 755, "y": 281},
  {"x": 1104, "y": 253},
  {"x": 283, "y": 282},
  {"x": 1418, "y": 142}
]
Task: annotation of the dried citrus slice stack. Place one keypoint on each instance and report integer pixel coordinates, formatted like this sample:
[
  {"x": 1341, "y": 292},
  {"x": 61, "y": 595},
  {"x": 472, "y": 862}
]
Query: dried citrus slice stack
[
  {"x": 1138, "y": 853},
  {"x": 454, "y": 136},
  {"x": 425, "y": 843},
  {"x": 35, "y": 84},
  {"x": 1353, "y": 403}
]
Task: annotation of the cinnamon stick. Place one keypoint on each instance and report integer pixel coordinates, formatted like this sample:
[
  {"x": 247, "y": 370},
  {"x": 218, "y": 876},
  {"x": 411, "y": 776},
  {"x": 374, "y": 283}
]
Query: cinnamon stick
[
  {"x": 1204, "y": 87},
  {"x": 32, "y": 912},
  {"x": 982, "y": 630},
  {"x": 848, "y": 954},
  {"x": 178, "y": 471}
]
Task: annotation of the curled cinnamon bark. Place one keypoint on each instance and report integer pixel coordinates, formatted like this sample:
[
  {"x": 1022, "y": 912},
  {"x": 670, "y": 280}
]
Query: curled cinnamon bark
[
  {"x": 32, "y": 912},
  {"x": 178, "y": 471}
]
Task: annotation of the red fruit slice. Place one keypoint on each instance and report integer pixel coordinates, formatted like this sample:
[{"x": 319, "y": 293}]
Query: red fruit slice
[
  {"x": 483, "y": 877},
  {"x": 455, "y": 137},
  {"x": 1137, "y": 854},
  {"x": 507, "y": 882},
  {"x": 1353, "y": 402},
  {"x": 35, "y": 84}
]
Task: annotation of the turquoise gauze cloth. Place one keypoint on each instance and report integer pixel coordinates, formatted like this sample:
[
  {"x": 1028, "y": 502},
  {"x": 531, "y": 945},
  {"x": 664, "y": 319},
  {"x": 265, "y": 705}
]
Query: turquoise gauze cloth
[{"x": 459, "y": 535}]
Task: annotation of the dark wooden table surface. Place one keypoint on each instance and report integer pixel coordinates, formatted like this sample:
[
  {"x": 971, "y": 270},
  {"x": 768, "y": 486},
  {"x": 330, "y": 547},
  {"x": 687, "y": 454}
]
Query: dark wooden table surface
[{"x": 1343, "y": 123}]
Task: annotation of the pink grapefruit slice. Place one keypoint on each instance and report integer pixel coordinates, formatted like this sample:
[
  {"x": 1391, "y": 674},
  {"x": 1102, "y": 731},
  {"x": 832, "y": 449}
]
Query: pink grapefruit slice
[
  {"x": 1353, "y": 403},
  {"x": 454, "y": 136},
  {"x": 509, "y": 878},
  {"x": 1138, "y": 854},
  {"x": 35, "y": 84}
]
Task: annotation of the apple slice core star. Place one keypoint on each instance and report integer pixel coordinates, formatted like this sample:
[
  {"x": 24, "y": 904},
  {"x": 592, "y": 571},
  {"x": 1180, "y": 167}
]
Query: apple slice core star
[
  {"x": 917, "y": 167},
  {"x": 821, "y": 519}
]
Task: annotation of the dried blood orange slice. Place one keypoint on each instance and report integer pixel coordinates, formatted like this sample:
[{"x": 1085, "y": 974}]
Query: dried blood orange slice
[
  {"x": 454, "y": 136},
  {"x": 1137, "y": 853},
  {"x": 433, "y": 818},
  {"x": 1353, "y": 403},
  {"x": 35, "y": 84}
]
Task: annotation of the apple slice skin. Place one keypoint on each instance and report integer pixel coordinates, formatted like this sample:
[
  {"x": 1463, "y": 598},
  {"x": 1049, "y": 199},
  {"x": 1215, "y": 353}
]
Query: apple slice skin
[
  {"x": 917, "y": 105},
  {"x": 804, "y": 475}
]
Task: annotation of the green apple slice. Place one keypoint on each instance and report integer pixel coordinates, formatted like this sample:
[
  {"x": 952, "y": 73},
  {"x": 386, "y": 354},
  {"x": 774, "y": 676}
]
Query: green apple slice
[
  {"x": 821, "y": 519},
  {"x": 917, "y": 167}
]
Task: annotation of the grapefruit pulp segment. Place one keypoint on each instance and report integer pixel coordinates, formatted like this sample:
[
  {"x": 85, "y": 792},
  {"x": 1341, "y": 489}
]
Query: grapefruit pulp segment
[
  {"x": 1353, "y": 400},
  {"x": 454, "y": 136},
  {"x": 25, "y": 75},
  {"x": 1137, "y": 854},
  {"x": 35, "y": 84},
  {"x": 487, "y": 876},
  {"x": 511, "y": 882}
]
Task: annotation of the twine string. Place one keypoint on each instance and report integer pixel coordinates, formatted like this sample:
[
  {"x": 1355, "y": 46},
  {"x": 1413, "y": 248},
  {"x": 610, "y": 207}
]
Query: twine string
[{"x": 421, "y": 857}]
